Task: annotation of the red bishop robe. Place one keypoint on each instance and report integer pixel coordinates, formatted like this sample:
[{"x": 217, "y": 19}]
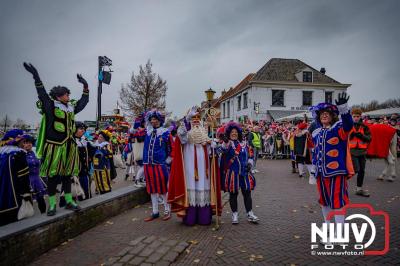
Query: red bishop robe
[{"x": 177, "y": 193}]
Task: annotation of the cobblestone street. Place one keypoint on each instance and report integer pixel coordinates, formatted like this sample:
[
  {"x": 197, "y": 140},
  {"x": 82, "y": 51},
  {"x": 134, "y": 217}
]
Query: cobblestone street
[{"x": 286, "y": 205}]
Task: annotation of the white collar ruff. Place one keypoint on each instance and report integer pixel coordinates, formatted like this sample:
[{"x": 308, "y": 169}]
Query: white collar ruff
[
  {"x": 9, "y": 148},
  {"x": 159, "y": 132},
  {"x": 66, "y": 108}
]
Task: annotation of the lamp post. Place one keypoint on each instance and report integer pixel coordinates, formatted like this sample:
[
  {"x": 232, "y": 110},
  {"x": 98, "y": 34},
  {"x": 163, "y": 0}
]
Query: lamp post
[{"x": 103, "y": 61}]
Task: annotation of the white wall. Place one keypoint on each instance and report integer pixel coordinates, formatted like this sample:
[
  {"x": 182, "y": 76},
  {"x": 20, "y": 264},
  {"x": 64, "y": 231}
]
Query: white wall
[{"x": 293, "y": 100}]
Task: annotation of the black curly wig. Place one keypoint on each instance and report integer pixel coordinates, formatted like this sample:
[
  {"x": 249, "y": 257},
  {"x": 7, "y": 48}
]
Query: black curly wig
[{"x": 58, "y": 91}]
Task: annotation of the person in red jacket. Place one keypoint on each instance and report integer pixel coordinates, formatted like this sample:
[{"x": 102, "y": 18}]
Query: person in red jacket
[{"x": 360, "y": 137}]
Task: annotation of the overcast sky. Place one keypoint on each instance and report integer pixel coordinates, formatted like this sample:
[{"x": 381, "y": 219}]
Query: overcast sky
[{"x": 194, "y": 45}]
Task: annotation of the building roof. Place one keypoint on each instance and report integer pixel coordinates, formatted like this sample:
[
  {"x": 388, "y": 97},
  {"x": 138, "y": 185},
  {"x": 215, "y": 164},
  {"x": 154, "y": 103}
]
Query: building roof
[
  {"x": 237, "y": 89},
  {"x": 284, "y": 70}
]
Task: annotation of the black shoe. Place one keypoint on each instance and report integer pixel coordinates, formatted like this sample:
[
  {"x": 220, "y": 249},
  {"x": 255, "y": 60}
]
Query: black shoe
[
  {"x": 72, "y": 207},
  {"x": 51, "y": 212},
  {"x": 126, "y": 177}
]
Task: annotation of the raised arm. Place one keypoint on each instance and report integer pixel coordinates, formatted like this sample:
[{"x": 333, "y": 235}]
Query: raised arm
[
  {"x": 344, "y": 111},
  {"x": 83, "y": 101},
  {"x": 41, "y": 91}
]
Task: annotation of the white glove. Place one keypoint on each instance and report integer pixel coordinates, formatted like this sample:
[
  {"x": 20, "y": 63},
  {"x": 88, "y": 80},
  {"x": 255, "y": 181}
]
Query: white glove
[{"x": 213, "y": 144}]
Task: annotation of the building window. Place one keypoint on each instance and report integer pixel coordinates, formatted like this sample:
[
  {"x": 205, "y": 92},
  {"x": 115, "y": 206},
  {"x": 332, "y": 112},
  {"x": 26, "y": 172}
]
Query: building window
[
  {"x": 278, "y": 97},
  {"x": 307, "y": 98},
  {"x": 223, "y": 110},
  {"x": 307, "y": 76},
  {"x": 228, "y": 112},
  {"x": 328, "y": 96},
  {"x": 245, "y": 100},
  {"x": 239, "y": 102}
]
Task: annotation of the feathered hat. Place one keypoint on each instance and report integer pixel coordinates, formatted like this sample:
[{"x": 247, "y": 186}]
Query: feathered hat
[
  {"x": 220, "y": 131},
  {"x": 155, "y": 114},
  {"x": 316, "y": 110},
  {"x": 233, "y": 125},
  {"x": 12, "y": 137},
  {"x": 139, "y": 121},
  {"x": 106, "y": 134}
]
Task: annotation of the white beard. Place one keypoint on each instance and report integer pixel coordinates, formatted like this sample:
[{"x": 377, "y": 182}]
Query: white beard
[{"x": 197, "y": 135}]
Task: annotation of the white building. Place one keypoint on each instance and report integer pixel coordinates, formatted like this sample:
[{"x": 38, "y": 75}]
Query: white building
[{"x": 280, "y": 88}]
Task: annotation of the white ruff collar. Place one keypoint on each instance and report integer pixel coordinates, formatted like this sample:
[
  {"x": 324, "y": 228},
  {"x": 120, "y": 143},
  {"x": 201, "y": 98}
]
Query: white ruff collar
[
  {"x": 66, "y": 108},
  {"x": 8, "y": 149},
  {"x": 101, "y": 145},
  {"x": 160, "y": 130}
]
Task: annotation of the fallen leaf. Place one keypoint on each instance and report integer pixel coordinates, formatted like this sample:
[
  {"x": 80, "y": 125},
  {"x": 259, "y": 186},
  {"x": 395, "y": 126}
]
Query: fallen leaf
[
  {"x": 64, "y": 243},
  {"x": 257, "y": 206},
  {"x": 251, "y": 259},
  {"x": 134, "y": 219},
  {"x": 294, "y": 210},
  {"x": 213, "y": 229},
  {"x": 196, "y": 261},
  {"x": 259, "y": 257},
  {"x": 243, "y": 251},
  {"x": 296, "y": 236},
  {"x": 252, "y": 256},
  {"x": 220, "y": 238},
  {"x": 305, "y": 206},
  {"x": 292, "y": 264},
  {"x": 194, "y": 242},
  {"x": 109, "y": 222},
  {"x": 220, "y": 252},
  {"x": 187, "y": 251},
  {"x": 71, "y": 239},
  {"x": 137, "y": 206}
]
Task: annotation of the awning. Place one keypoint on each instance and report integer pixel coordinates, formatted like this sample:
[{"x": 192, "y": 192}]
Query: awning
[
  {"x": 277, "y": 114},
  {"x": 295, "y": 116},
  {"x": 386, "y": 112}
]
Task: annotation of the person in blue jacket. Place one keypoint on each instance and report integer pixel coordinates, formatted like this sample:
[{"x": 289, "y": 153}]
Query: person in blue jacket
[
  {"x": 156, "y": 156},
  {"x": 331, "y": 155},
  {"x": 238, "y": 161}
]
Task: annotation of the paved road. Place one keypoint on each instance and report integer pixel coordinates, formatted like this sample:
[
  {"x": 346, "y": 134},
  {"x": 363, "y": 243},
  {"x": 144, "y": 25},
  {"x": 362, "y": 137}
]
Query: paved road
[{"x": 286, "y": 206}]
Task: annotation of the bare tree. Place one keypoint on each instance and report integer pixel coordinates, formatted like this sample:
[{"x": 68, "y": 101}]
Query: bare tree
[
  {"x": 21, "y": 124},
  {"x": 5, "y": 123},
  {"x": 145, "y": 91},
  {"x": 375, "y": 105}
]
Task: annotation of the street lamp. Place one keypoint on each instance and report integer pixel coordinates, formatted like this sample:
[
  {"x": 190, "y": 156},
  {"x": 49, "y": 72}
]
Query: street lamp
[
  {"x": 210, "y": 96},
  {"x": 103, "y": 77}
]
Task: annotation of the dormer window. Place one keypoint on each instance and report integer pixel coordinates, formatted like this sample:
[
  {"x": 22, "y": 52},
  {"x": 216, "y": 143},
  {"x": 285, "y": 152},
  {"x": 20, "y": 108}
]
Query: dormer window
[{"x": 307, "y": 76}]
